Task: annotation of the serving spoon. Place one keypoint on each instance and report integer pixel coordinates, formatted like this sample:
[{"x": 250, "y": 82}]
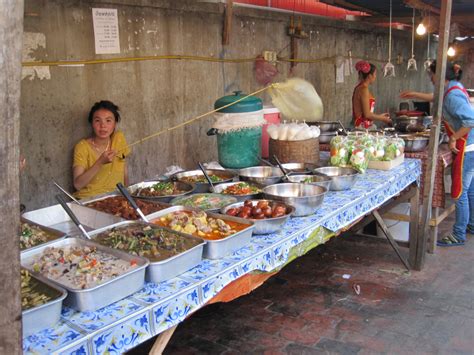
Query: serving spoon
[
  {"x": 206, "y": 176},
  {"x": 66, "y": 193},
  {"x": 71, "y": 214},
  {"x": 132, "y": 202}
]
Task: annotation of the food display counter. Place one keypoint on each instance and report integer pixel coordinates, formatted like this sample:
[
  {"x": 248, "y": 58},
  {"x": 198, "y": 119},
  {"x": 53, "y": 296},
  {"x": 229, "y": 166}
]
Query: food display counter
[{"x": 158, "y": 307}]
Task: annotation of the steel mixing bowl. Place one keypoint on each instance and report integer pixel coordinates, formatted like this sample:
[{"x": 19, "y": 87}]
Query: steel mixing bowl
[
  {"x": 342, "y": 178},
  {"x": 326, "y": 137},
  {"x": 266, "y": 225},
  {"x": 305, "y": 198},
  {"x": 328, "y": 126},
  {"x": 299, "y": 168},
  {"x": 320, "y": 180},
  {"x": 226, "y": 175},
  {"x": 261, "y": 175},
  {"x": 415, "y": 143},
  {"x": 221, "y": 187}
]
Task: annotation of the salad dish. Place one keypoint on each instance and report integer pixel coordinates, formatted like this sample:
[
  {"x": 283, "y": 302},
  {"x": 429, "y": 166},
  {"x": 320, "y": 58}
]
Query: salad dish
[
  {"x": 204, "y": 201},
  {"x": 197, "y": 177},
  {"x": 160, "y": 190},
  {"x": 241, "y": 190},
  {"x": 32, "y": 235}
]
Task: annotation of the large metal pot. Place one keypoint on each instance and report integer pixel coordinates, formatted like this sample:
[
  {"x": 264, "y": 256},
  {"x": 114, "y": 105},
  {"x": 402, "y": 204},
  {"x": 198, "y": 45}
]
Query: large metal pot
[
  {"x": 409, "y": 124},
  {"x": 327, "y": 126}
]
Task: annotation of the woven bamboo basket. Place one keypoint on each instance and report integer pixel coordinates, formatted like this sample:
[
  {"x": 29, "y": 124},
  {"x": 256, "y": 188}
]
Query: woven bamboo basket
[{"x": 306, "y": 151}]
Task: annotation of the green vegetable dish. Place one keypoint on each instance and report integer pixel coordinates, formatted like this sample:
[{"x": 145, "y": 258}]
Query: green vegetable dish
[
  {"x": 204, "y": 201},
  {"x": 32, "y": 236},
  {"x": 35, "y": 293},
  {"x": 154, "y": 243}
]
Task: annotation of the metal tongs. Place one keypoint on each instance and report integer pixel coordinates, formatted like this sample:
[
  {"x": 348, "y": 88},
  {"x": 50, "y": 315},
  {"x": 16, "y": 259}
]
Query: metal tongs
[
  {"x": 66, "y": 193},
  {"x": 281, "y": 166},
  {"x": 71, "y": 214},
  {"x": 206, "y": 176},
  {"x": 132, "y": 202}
]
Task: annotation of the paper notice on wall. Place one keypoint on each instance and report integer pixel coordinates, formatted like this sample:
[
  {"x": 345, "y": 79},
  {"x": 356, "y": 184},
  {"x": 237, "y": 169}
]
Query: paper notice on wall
[
  {"x": 106, "y": 31},
  {"x": 340, "y": 73},
  {"x": 347, "y": 67}
]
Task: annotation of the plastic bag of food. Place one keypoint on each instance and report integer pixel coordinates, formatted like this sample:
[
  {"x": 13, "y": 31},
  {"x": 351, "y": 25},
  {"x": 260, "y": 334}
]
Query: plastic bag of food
[
  {"x": 400, "y": 143},
  {"x": 379, "y": 145},
  {"x": 283, "y": 132},
  {"x": 303, "y": 133},
  {"x": 359, "y": 159},
  {"x": 339, "y": 153},
  {"x": 393, "y": 149},
  {"x": 272, "y": 131}
]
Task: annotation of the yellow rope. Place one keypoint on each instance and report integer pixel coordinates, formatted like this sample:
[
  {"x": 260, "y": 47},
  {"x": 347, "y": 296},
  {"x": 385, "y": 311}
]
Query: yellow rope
[
  {"x": 135, "y": 59},
  {"x": 195, "y": 118}
]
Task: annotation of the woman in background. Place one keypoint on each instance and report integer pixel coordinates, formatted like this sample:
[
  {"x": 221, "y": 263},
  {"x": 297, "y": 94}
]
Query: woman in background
[
  {"x": 99, "y": 161},
  {"x": 363, "y": 102},
  {"x": 458, "y": 118}
]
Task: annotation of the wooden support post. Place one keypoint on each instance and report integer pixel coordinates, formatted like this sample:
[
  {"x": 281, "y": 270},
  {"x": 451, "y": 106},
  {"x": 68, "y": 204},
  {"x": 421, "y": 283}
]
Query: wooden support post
[
  {"x": 434, "y": 232},
  {"x": 445, "y": 18},
  {"x": 390, "y": 238},
  {"x": 414, "y": 239},
  {"x": 162, "y": 340},
  {"x": 11, "y": 34},
  {"x": 229, "y": 8}
]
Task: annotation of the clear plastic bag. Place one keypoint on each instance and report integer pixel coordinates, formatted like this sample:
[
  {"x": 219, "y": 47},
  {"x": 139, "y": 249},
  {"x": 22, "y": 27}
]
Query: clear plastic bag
[
  {"x": 297, "y": 100},
  {"x": 339, "y": 153},
  {"x": 360, "y": 158}
]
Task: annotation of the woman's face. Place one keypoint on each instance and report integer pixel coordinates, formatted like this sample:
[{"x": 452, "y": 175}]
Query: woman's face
[
  {"x": 371, "y": 77},
  {"x": 103, "y": 123}
]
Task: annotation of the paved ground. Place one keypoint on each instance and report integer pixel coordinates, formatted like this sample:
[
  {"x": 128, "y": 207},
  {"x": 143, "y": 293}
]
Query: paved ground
[{"x": 310, "y": 308}]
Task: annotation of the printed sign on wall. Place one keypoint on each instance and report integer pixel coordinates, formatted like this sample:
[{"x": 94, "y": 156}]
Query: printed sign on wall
[{"x": 106, "y": 31}]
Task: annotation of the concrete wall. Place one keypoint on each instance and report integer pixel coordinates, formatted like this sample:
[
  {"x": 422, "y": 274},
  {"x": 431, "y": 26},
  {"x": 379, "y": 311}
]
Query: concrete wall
[{"x": 154, "y": 95}]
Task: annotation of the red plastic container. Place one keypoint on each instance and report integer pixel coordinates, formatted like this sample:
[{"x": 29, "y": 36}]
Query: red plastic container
[{"x": 272, "y": 116}]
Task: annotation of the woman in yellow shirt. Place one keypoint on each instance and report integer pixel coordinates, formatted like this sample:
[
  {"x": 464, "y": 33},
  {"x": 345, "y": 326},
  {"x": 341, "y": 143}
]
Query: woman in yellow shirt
[{"x": 99, "y": 161}]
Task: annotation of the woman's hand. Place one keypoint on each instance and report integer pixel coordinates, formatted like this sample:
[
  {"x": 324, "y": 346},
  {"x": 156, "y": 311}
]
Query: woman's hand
[
  {"x": 107, "y": 156},
  {"x": 408, "y": 94},
  {"x": 385, "y": 117},
  {"x": 452, "y": 145}
]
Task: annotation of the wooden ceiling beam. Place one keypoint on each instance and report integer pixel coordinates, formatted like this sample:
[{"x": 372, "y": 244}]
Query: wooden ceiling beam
[{"x": 420, "y": 5}]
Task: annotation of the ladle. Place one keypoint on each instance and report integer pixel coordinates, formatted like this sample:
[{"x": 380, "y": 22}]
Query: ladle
[
  {"x": 132, "y": 202},
  {"x": 67, "y": 193},
  {"x": 206, "y": 176},
  {"x": 71, "y": 214}
]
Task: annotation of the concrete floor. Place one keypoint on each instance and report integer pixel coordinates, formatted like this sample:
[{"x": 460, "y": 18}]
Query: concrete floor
[{"x": 309, "y": 308}]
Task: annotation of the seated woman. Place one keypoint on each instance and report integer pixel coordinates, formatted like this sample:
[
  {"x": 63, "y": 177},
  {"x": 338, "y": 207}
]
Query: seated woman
[
  {"x": 363, "y": 102},
  {"x": 99, "y": 161}
]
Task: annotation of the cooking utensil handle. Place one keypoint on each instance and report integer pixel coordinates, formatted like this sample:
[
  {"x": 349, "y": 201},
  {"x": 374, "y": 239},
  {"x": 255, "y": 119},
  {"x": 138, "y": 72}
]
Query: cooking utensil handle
[
  {"x": 266, "y": 162},
  {"x": 71, "y": 214},
  {"x": 130, "y": 200},
  {"x": 66, "y": 193},
  {"x": 280, "y": 166},
  {"x": 206, "y": 176}
]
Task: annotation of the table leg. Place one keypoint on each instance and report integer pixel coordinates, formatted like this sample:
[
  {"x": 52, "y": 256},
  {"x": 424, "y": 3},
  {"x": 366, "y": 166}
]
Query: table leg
[
  {"x": 162, "y": 340},
  {"x": 390, "y": 238},
  {"x": 414, "y": 225}
]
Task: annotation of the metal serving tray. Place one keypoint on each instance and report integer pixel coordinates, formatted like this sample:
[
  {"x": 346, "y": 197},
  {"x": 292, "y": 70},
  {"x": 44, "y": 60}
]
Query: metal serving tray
[
  {"x": 103, "y": 197},
  {"x": 216, "y": 249},
  {"x": 56, "y": 218},
  {"x": 133, "y": 189},
  {"x": 99, "y": 296},
  {"x": 45, "y": 315},
  {"x": 158, "y": 271},
  {"x": 57, "y": 234}
]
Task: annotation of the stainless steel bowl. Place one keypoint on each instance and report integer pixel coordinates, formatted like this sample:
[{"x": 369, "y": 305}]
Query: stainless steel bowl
[
  {"x": 267, "y": 225},
  {"x": 409, "y": 124},
  {"x": 328, "y": 126},
  {"x": 319, "y": 180},
  {"x": 415, "y": 143},
  {"x": 304, "y": 197},
  {"x": 183, "y": 186},
  {"x": 226, "y": 175},
  {"x": 299, "y": 168},
  {"x": 326, "y": 137},
  {"x": 342, "y": 178},
  {"x": 221, "y": 187},
  {"x": 261, "y": 175}
]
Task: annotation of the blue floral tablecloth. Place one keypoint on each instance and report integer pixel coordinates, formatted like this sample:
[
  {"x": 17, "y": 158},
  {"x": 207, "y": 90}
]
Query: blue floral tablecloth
[{"x": 157, "y": 307}]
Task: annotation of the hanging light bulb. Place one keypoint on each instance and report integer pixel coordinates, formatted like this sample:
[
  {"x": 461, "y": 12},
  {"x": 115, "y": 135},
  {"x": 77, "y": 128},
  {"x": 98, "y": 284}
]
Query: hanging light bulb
[
  {"x": 451, "y": 51},
  {"x": 421, "y": 29}
]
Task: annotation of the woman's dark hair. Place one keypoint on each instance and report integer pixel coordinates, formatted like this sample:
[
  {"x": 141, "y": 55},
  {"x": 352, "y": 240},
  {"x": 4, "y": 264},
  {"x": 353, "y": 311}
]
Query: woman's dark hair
[
  {"x": 106, "y": 105},
  {"x": 453, "y": 70},
  {"x": 363, "y": 75}
]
